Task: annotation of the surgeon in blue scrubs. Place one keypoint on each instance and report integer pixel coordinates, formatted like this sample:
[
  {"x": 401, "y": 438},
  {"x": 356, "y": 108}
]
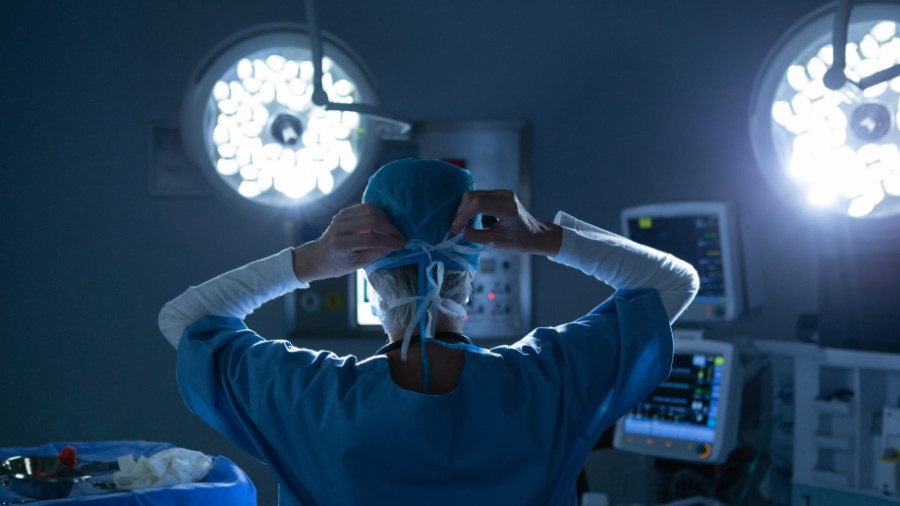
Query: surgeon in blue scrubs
[{"x": 431, "y": 418}]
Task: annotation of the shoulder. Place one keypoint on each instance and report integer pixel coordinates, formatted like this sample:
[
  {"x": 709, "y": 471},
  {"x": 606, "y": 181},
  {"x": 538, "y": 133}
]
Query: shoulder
[
  {"x": 228, "y": 339},
  {"x": 627, "y": 319}
]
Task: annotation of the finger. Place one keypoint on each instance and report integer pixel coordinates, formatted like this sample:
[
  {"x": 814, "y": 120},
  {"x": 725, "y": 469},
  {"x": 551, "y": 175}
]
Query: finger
[
  {"x": 499, "y": 203},
  {"x": 367, "y": 224},
  {"x": 382, "y": 222},
  {"x": 371, "y": 240},
  {"x": 365, "y": 218},
  {"x": 477, "y": 236},
  {"x": 365, "y": 257}
]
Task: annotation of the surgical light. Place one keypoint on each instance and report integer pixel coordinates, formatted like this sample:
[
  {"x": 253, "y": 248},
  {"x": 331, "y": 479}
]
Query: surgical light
[
  {"x": 284, "y": 117},
  {"x": 824, "y": 122}
]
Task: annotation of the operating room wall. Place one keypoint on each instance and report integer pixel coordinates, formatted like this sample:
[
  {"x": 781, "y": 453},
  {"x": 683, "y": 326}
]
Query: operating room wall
[{"x": 628, "y": 103}]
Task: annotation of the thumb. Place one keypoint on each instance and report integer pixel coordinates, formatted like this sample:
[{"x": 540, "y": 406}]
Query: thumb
[
  {"x": 365, "y": 257},
  {"x": 480, "y": 236}
]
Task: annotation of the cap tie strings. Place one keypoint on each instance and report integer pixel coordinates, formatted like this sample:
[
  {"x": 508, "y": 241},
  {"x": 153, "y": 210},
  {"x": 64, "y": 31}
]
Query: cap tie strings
[
  {"x": 449, "y": 249},
  {"x": 431, "y": 260},
  {"x": 431, "y": 271}
]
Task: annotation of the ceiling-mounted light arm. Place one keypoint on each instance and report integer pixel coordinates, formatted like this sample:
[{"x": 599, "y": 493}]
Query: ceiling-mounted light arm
[
  {"x": 879, "y": 77},
  {"x": 403, "y": 126},
  {"x": 835, "y": 78},
  {"x": 320, "y": 97}
]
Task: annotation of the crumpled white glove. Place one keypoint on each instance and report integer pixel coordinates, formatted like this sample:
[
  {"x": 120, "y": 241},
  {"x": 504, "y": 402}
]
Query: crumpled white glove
[{"x": 162, "y": 469}]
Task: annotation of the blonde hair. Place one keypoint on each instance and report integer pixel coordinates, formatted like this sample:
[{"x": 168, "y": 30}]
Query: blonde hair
[{"x": 402, "y": 282}]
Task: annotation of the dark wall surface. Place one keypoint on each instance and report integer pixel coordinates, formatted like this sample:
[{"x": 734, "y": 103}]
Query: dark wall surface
[{"x": 629, "y": 103}]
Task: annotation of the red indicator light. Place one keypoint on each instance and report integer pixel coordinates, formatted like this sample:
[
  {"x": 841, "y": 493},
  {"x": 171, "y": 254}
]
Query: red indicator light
[
  {"x": 459, "y": 162},
  {"x": 492, "y": 295}
]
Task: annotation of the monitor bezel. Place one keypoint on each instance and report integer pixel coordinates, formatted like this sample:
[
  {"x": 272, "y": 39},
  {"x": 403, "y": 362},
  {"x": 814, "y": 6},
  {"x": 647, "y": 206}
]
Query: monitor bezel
[
  {"x": 734, "y": 304},
  {"x": 727, "y": 420}
]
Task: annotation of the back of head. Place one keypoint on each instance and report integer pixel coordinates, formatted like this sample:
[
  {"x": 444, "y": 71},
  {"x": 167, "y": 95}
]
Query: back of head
[
  {"x": 421, "y": 198},
  {"x": 402, "y": 283}
]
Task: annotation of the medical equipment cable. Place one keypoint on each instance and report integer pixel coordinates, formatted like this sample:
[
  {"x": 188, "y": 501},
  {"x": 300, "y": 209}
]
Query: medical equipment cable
[{"x": 753, "y": 465}]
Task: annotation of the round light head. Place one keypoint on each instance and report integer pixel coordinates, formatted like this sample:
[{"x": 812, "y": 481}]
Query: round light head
[
  {"x": 249, "y": 121},
  {"x": 832, "y": 148}
]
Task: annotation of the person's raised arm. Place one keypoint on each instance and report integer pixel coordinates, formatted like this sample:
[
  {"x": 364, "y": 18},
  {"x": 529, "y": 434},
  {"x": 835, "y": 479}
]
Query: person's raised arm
[
  {"x": 356, "y": 236},
  {"x": 613, "y": 259}
]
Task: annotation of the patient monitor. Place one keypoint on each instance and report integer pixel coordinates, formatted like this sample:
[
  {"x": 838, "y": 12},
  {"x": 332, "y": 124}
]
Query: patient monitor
[
  {"x": 705, "y": 234},
  {"x": 693, "y": 415}
]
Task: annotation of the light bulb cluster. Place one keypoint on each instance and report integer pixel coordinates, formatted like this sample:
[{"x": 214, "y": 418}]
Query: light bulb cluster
[
  {"x": 269, "y": 139},
  {"x": 841, "y": 145}
]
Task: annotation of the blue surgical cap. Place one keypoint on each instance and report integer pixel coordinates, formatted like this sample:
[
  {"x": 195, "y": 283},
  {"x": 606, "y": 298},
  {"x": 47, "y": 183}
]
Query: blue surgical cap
[{"x": 421, "y": 198}]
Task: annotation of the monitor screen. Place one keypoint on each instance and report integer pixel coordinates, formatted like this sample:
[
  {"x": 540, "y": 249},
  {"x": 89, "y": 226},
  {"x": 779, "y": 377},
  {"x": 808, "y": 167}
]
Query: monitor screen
[
  {"x": 694, "y": 239},
  {"x": 691, "y": 415},
  {"x": 365, "y": 307},
  {"x": 686, "y": 405},
  {"x": 704, "y": 235}
]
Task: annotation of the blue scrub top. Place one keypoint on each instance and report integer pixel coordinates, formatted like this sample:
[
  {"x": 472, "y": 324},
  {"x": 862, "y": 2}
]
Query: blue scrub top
[{"x": 516, "y": 430}]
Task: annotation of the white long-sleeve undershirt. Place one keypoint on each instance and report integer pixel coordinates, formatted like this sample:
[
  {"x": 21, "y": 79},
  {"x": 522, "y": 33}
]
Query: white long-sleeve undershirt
[
  {"x": 236, "y": 293},
  {"x": 622, "y": 263},
  {"x": 613, "y": 259}
]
